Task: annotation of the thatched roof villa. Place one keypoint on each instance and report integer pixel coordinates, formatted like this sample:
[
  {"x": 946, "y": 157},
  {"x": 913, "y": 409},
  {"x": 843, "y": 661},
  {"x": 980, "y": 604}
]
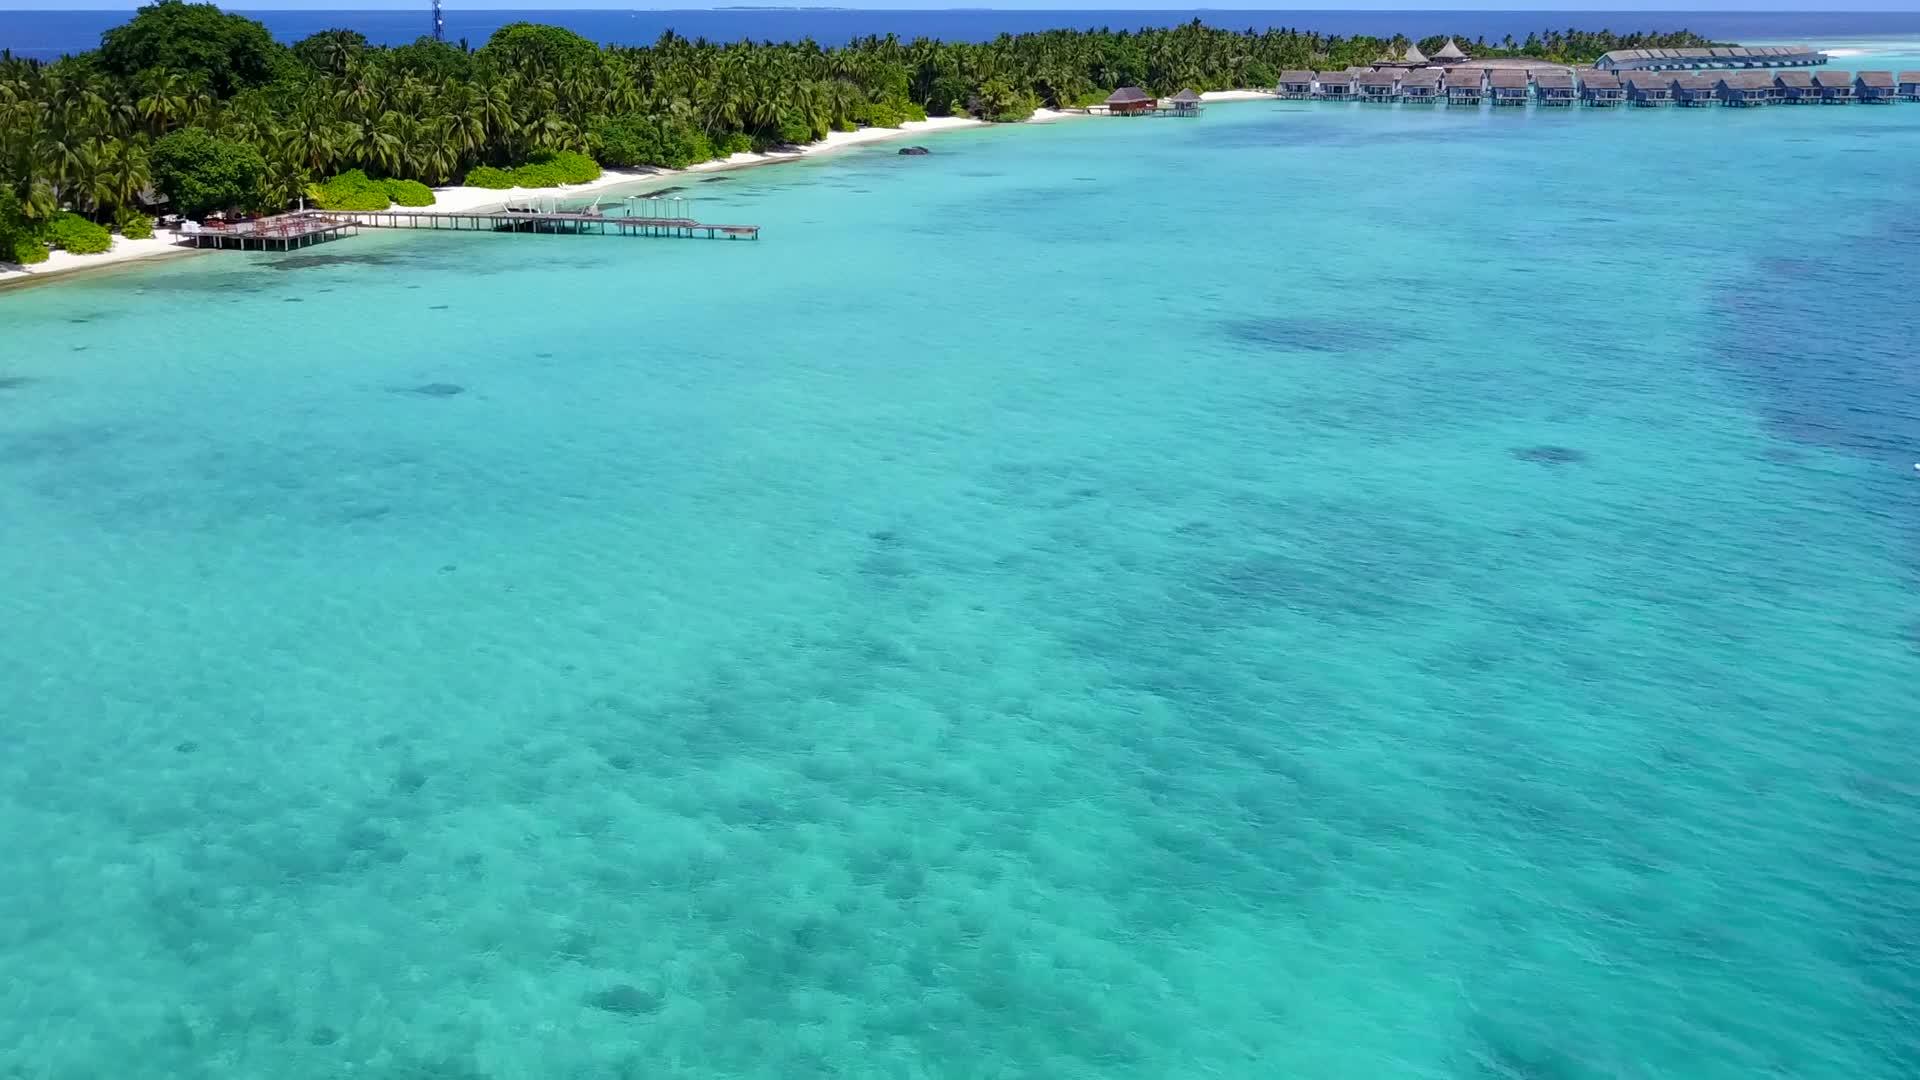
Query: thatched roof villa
[
  {"x": 1745, "y": 88},
  {"x": 1649, "y": 89},
  {"x": 1130, "y": 101},
  {"x": 1296, "y": 84},
  {"x": 1509, "y": 85},
  {"x": 1796, "y": 87},
  {"x": 1334, "y": 85},
  {"x": 1601, "y": 89},
  {"x": 1449, "y": 52},
  {"x": 1910, "y": 85},
  {"x": 1464, "y": 85},
  {"x": 1554, "y": 88},
  {"x": 1693, "y": 89},
  {"x": 1420, "y": 87},
  {"x": 1379, "y": 85},
  {"x": 1836, "y": 87}
]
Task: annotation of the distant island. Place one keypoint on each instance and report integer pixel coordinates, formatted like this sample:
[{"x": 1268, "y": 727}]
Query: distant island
[{"x": 204, "y": 108}]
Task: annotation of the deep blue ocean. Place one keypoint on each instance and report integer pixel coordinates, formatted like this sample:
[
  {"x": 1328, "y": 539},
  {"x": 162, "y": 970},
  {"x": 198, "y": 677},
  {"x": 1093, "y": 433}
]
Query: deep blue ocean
[{"x": 47, "y": 34}]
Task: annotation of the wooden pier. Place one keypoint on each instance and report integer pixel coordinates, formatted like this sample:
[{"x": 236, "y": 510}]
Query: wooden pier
[
  {"x": 282, "y": 232},
  {"x": 549, "y": 221}
]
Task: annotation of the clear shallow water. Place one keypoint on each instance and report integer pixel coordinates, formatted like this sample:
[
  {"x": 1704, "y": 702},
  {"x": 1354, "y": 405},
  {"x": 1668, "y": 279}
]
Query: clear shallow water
[{"x": 1311, "y": 592}]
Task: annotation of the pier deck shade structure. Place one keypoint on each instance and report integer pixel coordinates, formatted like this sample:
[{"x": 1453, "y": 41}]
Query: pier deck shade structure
[
  {"x": 1763, "y": 56},
  {"x": 1129, "y": 100},
  {"x": 1836, "y": 87},
  {"x": 1449, "y": 53},
  {"x": 1334, "y": 85},
  {"x": 1745, "y": 88},
  {"x": 1910, "y": 85},
  {"x": 1420, "y": 87},
  {"x": 1185, "y": 102},
  {"x": 1874, "y": 86},
  {"x": 1379, "y": 86},
  {"x": 1509, "y": 86},
  {"x": 1796, "y": 87},
  {"x": 1648, "y": 89},
  {"x": 1296, "y": 84},
  {"x": 1555, "y": 87},
  {"x": 1601, "y": 89}
]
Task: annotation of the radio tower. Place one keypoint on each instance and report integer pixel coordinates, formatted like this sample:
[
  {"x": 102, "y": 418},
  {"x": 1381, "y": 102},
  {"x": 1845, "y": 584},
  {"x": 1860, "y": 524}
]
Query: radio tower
[{"x": 439, "y": 23}]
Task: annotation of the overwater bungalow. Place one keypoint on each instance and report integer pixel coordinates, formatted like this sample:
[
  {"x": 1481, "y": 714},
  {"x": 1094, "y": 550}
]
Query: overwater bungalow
[
  {"x": 1449, "y": 53},
  {"x": 1130, "y": 101},
  {"x": 1509, "y": 86},
  {"x": 1334, "y": 85},
  {"x": 1185, "y": 103},
  {"x": 1874, "y": 87},
  {"x": 1296, "y": 85},
  {"x": 1379, "y": 86},
  {"x": 1464, "y": 86},
  {"x": 1420, "y": 87},
  {"x": 1745, "y": 89},
  {"x": 1796, "y": 87},
  {"x": 1910, "y": 85},
  {"x": 1601, "y": 89},
  {"x": 1554, "y": 88},
  {"x": 1693, "y": 89},
  {"x": 1650, "y": 89},
  {"x": 1836, "y": 87}
]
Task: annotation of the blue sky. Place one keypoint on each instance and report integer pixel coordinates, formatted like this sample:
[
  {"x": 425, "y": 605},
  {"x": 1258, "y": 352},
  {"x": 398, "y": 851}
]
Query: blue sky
[{"x": 1016, "y": 5}]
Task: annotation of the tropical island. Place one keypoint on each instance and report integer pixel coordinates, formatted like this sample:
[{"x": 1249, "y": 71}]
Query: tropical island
[{"x": 190, "y": 110}]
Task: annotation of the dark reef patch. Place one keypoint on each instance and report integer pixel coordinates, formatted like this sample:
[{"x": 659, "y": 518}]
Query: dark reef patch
[
  {"x": 626, "y": 1000},
  {"x": 432, "y": 389},
  {"x": 15, "y": 382},
  {"x": 1549, "y": 455}
]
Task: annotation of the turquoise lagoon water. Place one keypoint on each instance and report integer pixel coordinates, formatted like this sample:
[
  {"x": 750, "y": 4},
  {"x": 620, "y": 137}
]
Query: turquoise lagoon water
[{"x": 1312, "y": 592}]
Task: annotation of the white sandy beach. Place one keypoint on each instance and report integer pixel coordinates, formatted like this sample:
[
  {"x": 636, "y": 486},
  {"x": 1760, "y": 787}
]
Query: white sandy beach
[
  {"x": 124, "y": 250},
  {"x": 457, "y": 199}
]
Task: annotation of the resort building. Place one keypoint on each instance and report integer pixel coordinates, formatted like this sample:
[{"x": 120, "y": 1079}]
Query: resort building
[
  {"x": 1758, "y": 56},
  {"x": 1464, "y": 85},
  {"x": 1449, "y": 53},
  {"x": 1601, "y": 89},
  {"x": 1509, "y": 86},
  {"x": 1333, "y": 85},
  {"x": 1836, "y": 87},
  {"x": 1874, "y": 87},
  {"x": 1414, "y": 57},
  {"x": 1693, "y": 89},
  {"x": 1296, "y": 85},
  {"x": 1185, "y": 103},
  {"x": 1382, "y": 86},
  {"x": 1796, "y": 87},
  {"x": 1554, "y": 88},
  {"x": 1745, "y": 88},
  {"x": 1420, "y": 87},
  {"x": 1910, "y": 85},
  {"x": 1648, "y": 89},
  {"x": 1130, "y": 101}
]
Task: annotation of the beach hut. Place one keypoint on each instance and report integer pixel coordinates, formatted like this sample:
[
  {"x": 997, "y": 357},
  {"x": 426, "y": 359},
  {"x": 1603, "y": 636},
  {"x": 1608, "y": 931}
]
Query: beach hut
[
  {"x": 1601, "y": 89},
  {"x": 1795, "y": 87},
  {"x": 1554, "y": 87},
  {"x": 1910, "y": 85},
  {"x": 1464, "y": 86},
  {"x": 1297, "y": 85},
  {"x": 1836, "y": 87},
  {"x": 1130, "y": 101},
  {"x": 1414, "y": 57},
  {"x": 1449, "y": 53},
  {"x": 1185, "y": 103},
  {"x": 1874, "y": 87},
  {"x": 1509, "y": 86},
  {"x": 1334, "y": 85},
  {"x": 1649, "y": 89},
  {"x": 1420, "y": 87},
  {"x": 1744, "y": 89},
  {"x": 1693, "y": 89},
  {"x": 1380, "y": 86}
]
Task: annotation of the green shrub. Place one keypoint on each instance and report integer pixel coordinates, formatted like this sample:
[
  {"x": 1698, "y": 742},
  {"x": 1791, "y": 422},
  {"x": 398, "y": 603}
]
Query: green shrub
[
  {"x": 912, "y": 111},
  {"x": 884, "y": 114},
  {"x": 637, "y": 139},
  {"x": 795, "y": 131},
  {"x": 71, "y": 232},
  {"x": 133, "y": 224},
  {"x": 736, "y": 142},
  {"x": 22, "y": 248},
  {"x": 844, "y": 125},
  {"x": 486, "y": 176},
  {"x": 556, "y": 167},
  {"x": 351, "y": 190},
  {"x": 409, "y": 192}
]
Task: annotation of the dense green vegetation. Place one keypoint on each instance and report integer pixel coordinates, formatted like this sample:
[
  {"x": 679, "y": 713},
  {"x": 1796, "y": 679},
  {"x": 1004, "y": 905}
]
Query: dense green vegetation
[
  {"x": 204, "y": 107},
  {"x": 354, "y": 190}
]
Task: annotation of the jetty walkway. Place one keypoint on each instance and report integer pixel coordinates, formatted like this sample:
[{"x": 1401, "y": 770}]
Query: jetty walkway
[{"x": 304, "y": 228}]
